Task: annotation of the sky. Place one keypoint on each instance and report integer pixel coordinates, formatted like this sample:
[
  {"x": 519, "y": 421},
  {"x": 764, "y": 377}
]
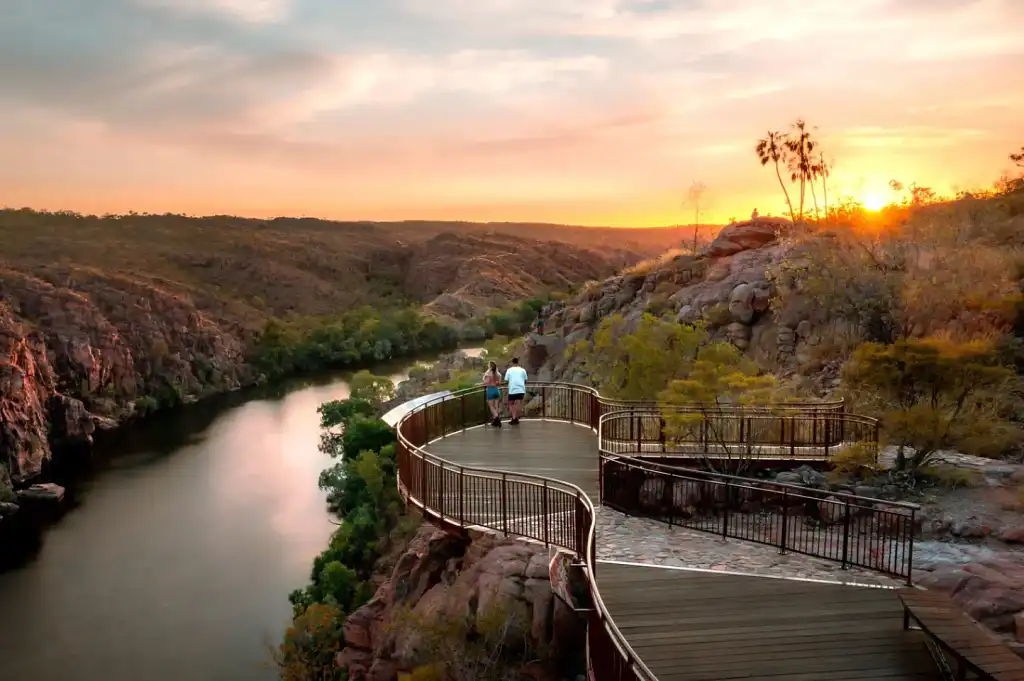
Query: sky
[{"x": 579, "y": 111}]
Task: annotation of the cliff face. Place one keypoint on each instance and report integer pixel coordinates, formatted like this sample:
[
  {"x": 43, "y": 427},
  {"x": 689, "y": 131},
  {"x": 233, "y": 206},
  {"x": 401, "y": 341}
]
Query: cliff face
[
  {"x": 77, "y": 350},
  {"x": 728, "y": 286},
  {"x": 102, "y": 318},
  {"x": 440, "y": 580}
]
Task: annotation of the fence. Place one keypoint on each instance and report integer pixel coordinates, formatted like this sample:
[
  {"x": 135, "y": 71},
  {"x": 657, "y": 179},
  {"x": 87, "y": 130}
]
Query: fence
[
  {"x": 782, "y": 431},
  {"x": 850, "y": 530},
  {"x": 538, "y": 508}
]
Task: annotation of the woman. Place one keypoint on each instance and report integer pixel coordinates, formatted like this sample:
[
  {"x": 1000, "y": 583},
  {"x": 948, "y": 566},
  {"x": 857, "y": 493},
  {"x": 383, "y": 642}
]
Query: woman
[{"x": 492, "y": 379}]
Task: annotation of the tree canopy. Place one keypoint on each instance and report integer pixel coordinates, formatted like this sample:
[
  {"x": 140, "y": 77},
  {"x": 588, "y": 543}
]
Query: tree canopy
[{"x": 932, "y": 395}]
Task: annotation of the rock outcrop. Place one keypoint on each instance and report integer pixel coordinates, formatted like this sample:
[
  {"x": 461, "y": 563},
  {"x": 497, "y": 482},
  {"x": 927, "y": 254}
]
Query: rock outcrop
[
  {"x": 728, "y": 285},
  {"x": 442, "y": 578},
  {"x": 78, "y": 348}
]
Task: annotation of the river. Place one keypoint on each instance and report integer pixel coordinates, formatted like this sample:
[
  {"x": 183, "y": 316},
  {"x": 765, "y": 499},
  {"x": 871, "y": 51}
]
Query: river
[{"x": 181, "y": 546}]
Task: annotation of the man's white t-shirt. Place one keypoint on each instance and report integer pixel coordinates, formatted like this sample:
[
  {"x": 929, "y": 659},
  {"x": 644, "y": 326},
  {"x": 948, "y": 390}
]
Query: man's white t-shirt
[{"x": 516, "y": 379}]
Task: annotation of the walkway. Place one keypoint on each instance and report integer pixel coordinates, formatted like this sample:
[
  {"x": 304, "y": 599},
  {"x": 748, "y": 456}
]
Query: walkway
[{"x": 705, "y": 626}]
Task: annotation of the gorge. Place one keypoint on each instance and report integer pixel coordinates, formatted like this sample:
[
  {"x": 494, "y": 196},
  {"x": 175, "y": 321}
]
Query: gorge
[{"x": 177, "y": 554}]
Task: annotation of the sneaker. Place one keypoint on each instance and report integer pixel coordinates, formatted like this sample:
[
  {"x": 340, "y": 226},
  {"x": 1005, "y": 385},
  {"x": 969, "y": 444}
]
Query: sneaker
[
  {"x": 496, "y": 422},
  {"x": 514, "y": 422}
]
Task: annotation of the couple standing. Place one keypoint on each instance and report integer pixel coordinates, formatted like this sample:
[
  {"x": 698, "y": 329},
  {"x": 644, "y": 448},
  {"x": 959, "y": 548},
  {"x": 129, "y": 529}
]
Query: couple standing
[{"x": 515, "y": 376}]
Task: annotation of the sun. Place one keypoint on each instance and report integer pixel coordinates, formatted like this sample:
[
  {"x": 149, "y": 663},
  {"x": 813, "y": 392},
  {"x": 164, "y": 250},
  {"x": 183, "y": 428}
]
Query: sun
[{"x": 873, "y": 202}]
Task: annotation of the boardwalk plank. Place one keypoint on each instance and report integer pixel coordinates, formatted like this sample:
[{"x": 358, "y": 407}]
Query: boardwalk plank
[{"x": 705, "y": 626}]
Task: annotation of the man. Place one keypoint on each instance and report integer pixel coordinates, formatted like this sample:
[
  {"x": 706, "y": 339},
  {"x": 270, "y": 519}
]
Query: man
[{"x": 515, "y": 377}]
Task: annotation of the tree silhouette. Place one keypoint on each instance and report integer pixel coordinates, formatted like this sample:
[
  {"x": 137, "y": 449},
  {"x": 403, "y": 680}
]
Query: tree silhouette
[
  {"x": 1018, "y": 158},
  {"x": 802, "y": 166},
  {"x": 774, "y": 148},
  {"x": 824, "y": 172}
]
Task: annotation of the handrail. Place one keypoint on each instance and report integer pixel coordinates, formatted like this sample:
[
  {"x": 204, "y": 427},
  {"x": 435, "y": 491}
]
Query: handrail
[{"x": 422, "y": 475}]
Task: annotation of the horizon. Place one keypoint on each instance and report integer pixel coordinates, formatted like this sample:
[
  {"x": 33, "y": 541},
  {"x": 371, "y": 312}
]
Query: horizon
[{"x": 596, "y": 114}]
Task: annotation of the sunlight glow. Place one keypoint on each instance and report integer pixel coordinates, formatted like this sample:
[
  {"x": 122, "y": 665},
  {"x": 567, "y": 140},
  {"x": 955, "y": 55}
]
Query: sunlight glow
[{"x": 873, "y": 202}]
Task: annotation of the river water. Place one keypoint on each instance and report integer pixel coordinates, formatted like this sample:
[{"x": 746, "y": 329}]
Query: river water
[{"x": 182, "y": 544}]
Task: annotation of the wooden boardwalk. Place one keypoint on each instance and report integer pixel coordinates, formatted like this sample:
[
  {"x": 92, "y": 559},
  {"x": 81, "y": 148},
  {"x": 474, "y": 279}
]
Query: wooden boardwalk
[
  {"x": 690, "y": 625},
  {"x": 698, "y": 626}
]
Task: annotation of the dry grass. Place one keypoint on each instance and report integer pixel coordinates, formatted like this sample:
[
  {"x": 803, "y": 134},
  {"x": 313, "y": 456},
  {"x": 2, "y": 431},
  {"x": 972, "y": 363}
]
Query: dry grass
[{"x": 243, "y": 271}]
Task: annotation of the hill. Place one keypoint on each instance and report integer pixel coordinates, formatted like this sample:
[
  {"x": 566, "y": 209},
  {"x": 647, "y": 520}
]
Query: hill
[{"x": 104, "y": 317}]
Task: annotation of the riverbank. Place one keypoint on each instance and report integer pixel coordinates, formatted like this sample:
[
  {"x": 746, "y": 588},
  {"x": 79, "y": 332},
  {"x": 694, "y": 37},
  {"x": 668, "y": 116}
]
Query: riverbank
[
  {"x": 178, "y": 542},
  {"x": 26, "y": 514}
]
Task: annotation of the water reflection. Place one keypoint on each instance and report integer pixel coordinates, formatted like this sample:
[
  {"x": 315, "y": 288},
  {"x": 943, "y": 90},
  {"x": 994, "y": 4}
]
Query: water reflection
[{"x": 187, "y": 538}]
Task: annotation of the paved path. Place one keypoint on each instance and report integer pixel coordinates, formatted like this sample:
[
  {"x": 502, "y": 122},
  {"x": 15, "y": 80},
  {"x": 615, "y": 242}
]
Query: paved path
[{"x": 708, "y": 625}]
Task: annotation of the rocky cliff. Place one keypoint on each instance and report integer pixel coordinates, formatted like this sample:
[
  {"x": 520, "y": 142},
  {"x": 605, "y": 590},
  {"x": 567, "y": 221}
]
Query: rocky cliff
[
  {"x": 443, "y": 585},
  {"x": 728, "y": 285},
  {"x": 105, "y": 317}
]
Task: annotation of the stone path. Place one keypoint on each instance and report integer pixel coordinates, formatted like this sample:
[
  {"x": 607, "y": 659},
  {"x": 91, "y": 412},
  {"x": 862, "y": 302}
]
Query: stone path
[{"x": 650, "y": 542}]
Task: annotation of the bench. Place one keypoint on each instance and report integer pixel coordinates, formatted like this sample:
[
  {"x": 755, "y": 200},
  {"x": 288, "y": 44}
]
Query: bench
[{"x": 973, "y": 648}]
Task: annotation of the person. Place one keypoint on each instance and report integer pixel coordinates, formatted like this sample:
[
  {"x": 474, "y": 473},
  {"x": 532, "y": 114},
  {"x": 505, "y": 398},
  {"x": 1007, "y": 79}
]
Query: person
[
  {"x": 492, "y": 379},
  {"x": 515, "y": 376}
]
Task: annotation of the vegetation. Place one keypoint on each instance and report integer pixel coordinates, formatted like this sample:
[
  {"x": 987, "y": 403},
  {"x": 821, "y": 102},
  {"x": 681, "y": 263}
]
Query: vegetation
[
  {"x": 491, "y": 644},
  {"x": 637, "y": 361},
  {"x": 362, "y": 492},
  {"x": 933, "y": 395},
  {"x": 354, "y": 338}
]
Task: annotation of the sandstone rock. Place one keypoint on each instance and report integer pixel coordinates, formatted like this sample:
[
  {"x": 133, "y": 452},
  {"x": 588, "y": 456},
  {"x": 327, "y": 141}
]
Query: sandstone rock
[
  {"x": 741, "y": 303},
  {"x": 1018, "y": 624},
  {"x": 440, "y": 577},
  {"x": 7, "y": 508},
  {"x": 742, "y": 236},
  {"x": 1012, "y": 535},
  {"x": 587, "y": 313}
]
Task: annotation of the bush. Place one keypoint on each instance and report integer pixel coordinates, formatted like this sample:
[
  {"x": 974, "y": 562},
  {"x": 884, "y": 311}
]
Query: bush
[{"x": 311, "y": 644}]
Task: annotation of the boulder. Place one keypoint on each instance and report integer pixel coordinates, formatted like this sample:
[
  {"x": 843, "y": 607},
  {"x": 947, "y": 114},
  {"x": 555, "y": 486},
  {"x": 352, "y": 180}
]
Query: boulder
[
  {"x": 442, "y": 578},
  {"x": 741, "y": 303},
  {"x": 743, "y": 236}
]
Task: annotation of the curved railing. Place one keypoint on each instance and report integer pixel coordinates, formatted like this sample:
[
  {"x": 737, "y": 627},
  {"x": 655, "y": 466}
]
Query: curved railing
[
  {"x": 782, "y": 431},
  {"x": 542, "y": 509}
]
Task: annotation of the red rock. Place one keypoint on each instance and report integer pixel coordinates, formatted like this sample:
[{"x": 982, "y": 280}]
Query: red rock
[
  {"x": 744, "y": 236},
  {"x": 1012, "y": 535}
]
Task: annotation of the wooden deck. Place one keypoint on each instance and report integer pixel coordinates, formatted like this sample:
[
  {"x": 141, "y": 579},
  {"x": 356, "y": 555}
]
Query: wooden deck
[{"x": 698, "y": 626}]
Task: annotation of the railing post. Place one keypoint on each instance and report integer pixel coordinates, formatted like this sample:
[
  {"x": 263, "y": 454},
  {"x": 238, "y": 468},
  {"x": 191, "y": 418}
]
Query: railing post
[
  {"x": 846, "y": 533},
  {"x": 504, "y": 503},
  {"x": 661, "y": 433},
  {"x": 544, "y": 510},
  {"x": 910, "y": 547},
  {"x": 572, "y": 407},
  {"x": 462, "y": 498},
  {"x": 785, "y": 520},
  {"x": 792, "y": 437},
  {"x": 462, "y": 408},
  {"x": 440, "y": 497},
  {"x": 725, "y": 514},
  {"x": 639, "y": 434},
  {"x": 544, "y": 402},
  {"x": 440, "y": 408}
]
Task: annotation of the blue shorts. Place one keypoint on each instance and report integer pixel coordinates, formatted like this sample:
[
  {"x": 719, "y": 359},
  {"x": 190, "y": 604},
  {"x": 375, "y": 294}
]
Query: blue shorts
[{"x": 493, "y": 393}]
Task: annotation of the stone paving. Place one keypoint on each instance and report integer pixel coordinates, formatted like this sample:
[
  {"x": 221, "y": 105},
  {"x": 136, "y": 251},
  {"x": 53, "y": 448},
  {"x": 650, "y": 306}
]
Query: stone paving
[{"x": 651, "y": 542}]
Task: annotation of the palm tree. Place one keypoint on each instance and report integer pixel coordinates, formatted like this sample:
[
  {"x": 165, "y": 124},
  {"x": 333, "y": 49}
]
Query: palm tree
[
  {"x": 824, "y": 172},
  {"x": 773, "y": 148},
  {"x": 801, "y": 159}
]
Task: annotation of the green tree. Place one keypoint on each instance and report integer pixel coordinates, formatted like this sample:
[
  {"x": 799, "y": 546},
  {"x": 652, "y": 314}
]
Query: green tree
[
  {"x": 311, "y": 645},
  {"x": 933, "y": 395},
  {"x": 374, "y": 389},
  {"x": 721, "y": 377},
  {"x": 637, "y": 362}
]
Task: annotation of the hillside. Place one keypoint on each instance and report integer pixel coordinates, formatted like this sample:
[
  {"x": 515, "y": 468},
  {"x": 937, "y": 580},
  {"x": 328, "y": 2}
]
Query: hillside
[
  {"x": 103, "y": 317},
  {"x": 799, "y": 301}
]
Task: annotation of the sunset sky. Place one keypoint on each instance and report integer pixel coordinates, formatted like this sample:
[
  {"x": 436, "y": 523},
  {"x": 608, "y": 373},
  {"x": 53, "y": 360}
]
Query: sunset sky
[{"x": 583, "y": 111}]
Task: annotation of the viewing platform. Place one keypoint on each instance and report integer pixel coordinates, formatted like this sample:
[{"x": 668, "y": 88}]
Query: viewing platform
[{"x": 546, "y": 478}]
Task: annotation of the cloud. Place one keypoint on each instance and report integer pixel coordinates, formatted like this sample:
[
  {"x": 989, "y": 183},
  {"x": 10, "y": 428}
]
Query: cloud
[{"x": 248, "y": 11}]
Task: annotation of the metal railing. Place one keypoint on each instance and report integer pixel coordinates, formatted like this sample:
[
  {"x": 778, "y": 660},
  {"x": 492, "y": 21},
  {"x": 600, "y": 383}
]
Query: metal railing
[
  {"x": 782, "y": 431},
  {"x": 542, "y": 509},
  {"x": 851, "y": 530}
]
